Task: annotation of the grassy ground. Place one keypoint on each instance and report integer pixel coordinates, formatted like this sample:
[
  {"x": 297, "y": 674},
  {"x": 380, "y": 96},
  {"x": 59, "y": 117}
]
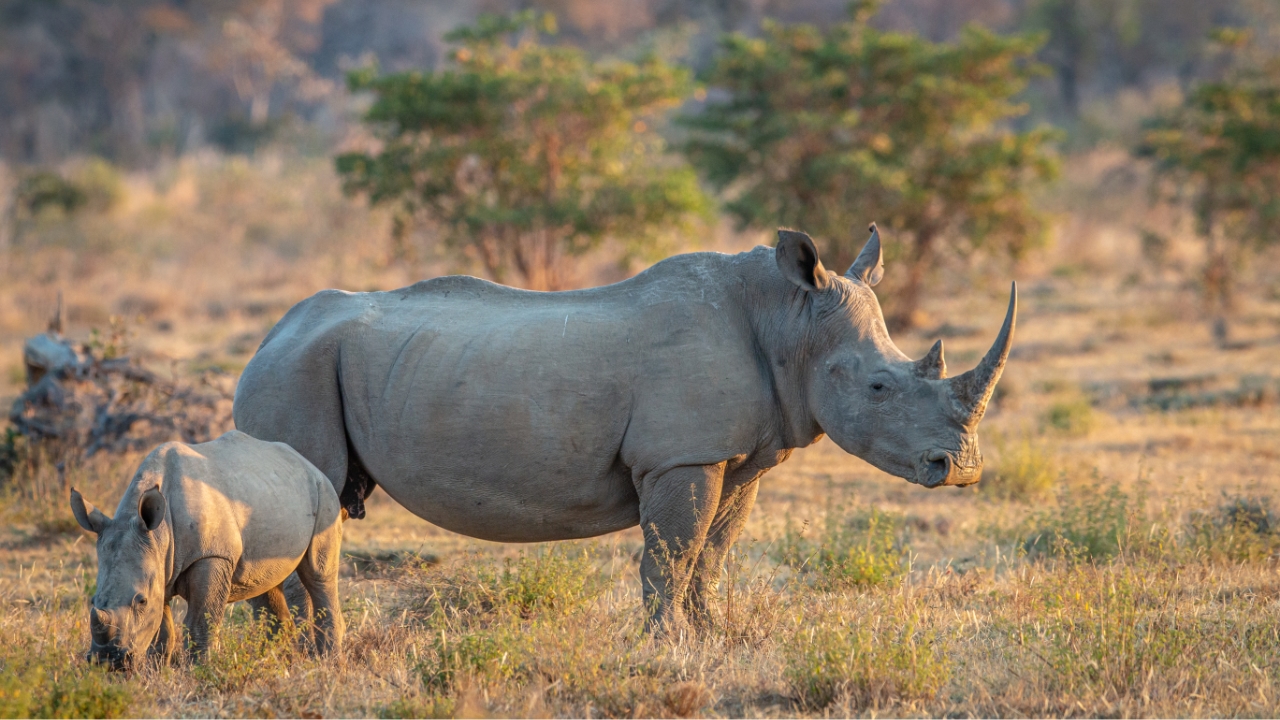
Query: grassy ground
[{"x": 1119, "y": 558}]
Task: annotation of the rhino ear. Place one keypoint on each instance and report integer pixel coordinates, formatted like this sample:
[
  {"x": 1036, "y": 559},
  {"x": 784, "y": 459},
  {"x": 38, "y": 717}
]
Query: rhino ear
[
  {"x": 798, "y": 260},
  {"x": 869, "y": 267},
  {"x": 151, "y": 509},
  {"x": 89, "y": 517}
]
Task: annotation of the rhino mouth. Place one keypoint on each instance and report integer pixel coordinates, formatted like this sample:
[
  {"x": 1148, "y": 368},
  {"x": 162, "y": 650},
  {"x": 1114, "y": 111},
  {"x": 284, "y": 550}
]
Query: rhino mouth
[{"x": 113, "y": 656}]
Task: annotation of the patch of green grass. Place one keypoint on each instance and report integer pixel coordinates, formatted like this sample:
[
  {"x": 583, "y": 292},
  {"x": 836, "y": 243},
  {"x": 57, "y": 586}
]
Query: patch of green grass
[
  {"x": 550, "y": 581},
  {"x": 862, "y": 549},
  {"x": 869, "y": 660},
  {"x": 248, "y": 649},
  {"x": 1243, "y": 529},
  {"x": 1088, "y": 522},
  {"x": 55, "y": 685},
  {"x": 1025, "y": 471},
  {"x": 490, "y": 655},
  {"x": 1074, "y": 416}
]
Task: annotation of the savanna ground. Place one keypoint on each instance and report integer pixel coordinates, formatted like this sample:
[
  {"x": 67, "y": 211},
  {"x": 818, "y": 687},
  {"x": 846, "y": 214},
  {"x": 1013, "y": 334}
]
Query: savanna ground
[{"x": 1119, "y": 557}]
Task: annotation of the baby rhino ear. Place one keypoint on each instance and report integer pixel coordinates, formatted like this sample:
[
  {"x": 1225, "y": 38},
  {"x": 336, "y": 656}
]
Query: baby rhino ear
[
  {"x": 89, "y": 517},
  {"x": 151, "y": 509},
  {"x": 869, "y": 267},
  {"x": 798, "y": 261}
]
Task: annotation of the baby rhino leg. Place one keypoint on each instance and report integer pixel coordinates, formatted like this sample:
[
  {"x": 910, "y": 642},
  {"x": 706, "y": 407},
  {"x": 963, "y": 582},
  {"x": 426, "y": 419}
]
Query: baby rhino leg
[
  {"x": 319, "y": 575},
  {"x": 273, "y": 602}
]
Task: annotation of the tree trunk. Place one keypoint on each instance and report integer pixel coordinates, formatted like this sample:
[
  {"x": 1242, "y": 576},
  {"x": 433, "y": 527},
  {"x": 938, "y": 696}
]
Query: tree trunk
[
  {"x": 1070, "y": 36},
  {"x": 906, "y": 304},
  {"x": 1219, "y": 301}
]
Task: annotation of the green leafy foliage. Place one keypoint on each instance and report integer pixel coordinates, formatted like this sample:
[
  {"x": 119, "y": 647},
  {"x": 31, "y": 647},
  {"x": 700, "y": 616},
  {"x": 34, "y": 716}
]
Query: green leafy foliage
[
  {"x": 488, "y": 655},
  {"x": 825, "y": 129},
  {"x": 1218, "y": 154},
  {"x": 54, "y": 685},
  {"x": 550, "y": 582},
  {"x": 1243, "y": 529},
  {"x": 248, "y": 650},
  {"x": 522, "y": 151},
  {"x": 1072, "y": 416},
  {"x": 1088, "y": 522},
  {"x": 860, "y": 550}
]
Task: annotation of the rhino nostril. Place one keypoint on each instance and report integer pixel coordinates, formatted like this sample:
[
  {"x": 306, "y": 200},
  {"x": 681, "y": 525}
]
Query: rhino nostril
[{"x": 939, "y": 468}]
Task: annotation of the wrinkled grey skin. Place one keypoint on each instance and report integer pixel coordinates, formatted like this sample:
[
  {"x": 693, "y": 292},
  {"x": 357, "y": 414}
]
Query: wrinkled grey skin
[
  {"x": 521, "y": 416},
  {"x": 214, "y": 523}
]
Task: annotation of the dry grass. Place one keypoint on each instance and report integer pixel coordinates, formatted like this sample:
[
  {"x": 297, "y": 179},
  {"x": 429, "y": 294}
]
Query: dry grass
[{"x": 1123, "y": 562}]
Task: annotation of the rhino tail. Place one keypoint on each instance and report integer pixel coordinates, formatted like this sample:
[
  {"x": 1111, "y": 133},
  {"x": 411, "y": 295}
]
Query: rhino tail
[{"x": 359, "y": 483}]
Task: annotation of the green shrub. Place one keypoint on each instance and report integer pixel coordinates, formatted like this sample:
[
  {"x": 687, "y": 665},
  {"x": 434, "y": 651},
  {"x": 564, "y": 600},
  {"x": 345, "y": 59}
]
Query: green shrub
[
  {"x": 248, "y": 648},
  {"x": 881, "y": 657},
  {"x": 1025, "y": 471},
  {"x": 57, "y": 685},
  {"x": 1243, "y": 529},
  {"x": 45, "y": 191},
  {"x": 546, "y": 581},
  {"x": 490, "y": 655},
  {"x": 1071, "y": 417},
  {"x": 88, "y": 694},
  {"x": 861, "y": 550},
  {"x": 1087, "y": 522}
]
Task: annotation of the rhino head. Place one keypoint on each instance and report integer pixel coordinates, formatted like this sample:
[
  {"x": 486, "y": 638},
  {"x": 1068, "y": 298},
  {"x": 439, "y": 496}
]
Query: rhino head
[
  {"x": 905, "y": 417},
  {"x": 133, "y": 555}
]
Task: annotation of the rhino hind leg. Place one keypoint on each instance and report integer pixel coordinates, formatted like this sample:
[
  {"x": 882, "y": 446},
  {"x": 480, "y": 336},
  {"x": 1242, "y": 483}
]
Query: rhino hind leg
[
  {"x": 318, "y": 573},
  {"x": 676, "y": 510}
]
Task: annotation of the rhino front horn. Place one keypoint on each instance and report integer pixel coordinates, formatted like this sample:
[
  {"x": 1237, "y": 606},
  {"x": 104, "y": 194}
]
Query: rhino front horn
[{"x": 973, "y": 389}]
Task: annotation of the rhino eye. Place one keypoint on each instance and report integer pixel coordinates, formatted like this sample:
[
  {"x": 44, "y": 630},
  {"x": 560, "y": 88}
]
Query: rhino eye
[
  {"x": 877, "y": 386},
  {"x": 139, "y": 600}
]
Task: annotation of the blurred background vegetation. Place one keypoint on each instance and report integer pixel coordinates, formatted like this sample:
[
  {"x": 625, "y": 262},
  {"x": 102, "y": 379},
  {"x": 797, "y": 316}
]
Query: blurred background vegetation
[{"x": 558, "y": 143}]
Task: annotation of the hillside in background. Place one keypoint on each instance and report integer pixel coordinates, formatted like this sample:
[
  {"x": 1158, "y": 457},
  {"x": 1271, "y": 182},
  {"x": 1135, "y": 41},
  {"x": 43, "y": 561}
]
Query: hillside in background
[{"x": 142, "y": 80}]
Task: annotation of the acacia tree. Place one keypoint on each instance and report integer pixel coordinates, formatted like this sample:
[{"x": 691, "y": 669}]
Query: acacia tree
[
  {"x": 1219, "y": 154},
  {"x": 826, "y": 129},
  {"x": 523, "y": 151}
]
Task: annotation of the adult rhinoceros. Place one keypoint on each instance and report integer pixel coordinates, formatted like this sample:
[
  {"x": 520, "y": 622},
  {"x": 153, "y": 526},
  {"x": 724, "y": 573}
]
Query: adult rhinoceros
[{"x": 522, "y": 416}]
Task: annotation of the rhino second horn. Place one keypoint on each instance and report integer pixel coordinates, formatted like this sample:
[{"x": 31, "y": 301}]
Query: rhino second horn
[
  {"x": 932, "y": 366},
  {"x": 973, "y": 389}
]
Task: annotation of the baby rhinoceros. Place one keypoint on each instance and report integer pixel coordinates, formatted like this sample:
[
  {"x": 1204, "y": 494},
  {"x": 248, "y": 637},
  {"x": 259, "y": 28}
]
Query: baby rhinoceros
[{"x": 213, "y": 523}]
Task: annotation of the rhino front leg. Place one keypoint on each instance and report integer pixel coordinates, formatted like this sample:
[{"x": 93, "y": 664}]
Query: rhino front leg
[
  {"x": 207, "y": 584},
  {"x": 731, "y": 516},
  {"x": 676, "y": 508}
]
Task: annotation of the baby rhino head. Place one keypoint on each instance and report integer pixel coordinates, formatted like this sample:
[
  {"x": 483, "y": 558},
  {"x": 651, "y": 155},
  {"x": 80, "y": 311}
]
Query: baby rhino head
[{"x": 128, "y": 607}]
